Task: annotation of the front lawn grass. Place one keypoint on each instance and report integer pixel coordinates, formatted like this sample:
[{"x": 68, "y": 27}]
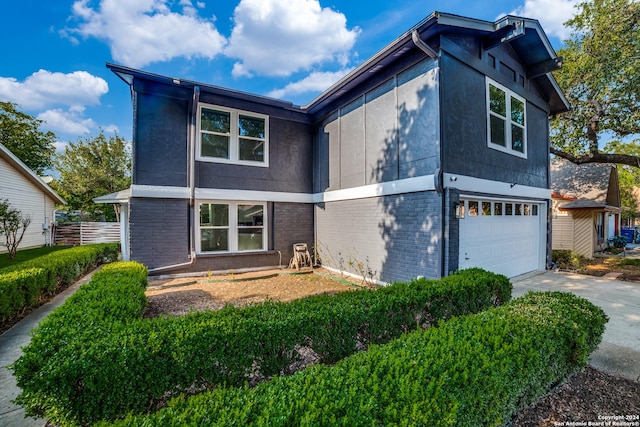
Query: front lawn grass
[{"x": 28, "y": 254}]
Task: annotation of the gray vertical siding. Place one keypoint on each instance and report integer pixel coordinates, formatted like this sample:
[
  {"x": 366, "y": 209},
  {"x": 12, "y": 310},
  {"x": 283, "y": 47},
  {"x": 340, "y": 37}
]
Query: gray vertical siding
[
  {"x": 390, "y": 133},
  {"x": 395, "y": 237},
  {"x": 418, "y": 120},
  {"x": 381, "y": 155},
  {"x": 159, "y": 231}
]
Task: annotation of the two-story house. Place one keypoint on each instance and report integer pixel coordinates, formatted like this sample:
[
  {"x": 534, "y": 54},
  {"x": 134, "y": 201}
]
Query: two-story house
[{"x": 433, "y": 155}]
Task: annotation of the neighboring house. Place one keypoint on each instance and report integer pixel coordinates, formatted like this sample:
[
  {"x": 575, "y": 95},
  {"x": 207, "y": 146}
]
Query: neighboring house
[
  {"x": 586, "y": 206},
  {"x": 374, "y": 174},
  {"x": 28, "y": 193}
]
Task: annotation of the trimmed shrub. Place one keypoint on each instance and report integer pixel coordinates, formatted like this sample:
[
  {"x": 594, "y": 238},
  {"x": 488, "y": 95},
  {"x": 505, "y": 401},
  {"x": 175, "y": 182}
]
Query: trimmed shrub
[
  {"x": 87, "y": 365},
  {"x": 26, "y": 283},
  {"x": 111, "y": 300},
  {"x": 567, "y": 259},
  {"x": 470, "y": 371}
]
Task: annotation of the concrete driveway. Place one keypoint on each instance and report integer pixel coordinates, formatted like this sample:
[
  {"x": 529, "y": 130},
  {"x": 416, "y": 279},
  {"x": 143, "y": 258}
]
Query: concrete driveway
[{"x": 619, "y": 351}]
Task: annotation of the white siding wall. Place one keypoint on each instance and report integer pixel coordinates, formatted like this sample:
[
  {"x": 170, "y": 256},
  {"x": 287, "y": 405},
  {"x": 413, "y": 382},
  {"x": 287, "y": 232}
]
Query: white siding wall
[{"x": 30, "y": 200}]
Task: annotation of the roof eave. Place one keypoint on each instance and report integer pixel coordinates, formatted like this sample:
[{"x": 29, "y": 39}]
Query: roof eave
[
  {"x": 119, "y": 197},
  {"x": 11, "y": 158},
  {"x": 438, "y": 22},
  {"x": 128, "y": 75}
]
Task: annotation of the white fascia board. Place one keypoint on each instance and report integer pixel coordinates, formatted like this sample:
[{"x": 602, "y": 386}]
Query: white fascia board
[
  {"x": 407, "y": 185},
  {"x": 241, "y": 195},
  {"x": 478, "y": 185},
  {"x": 160, "y": 192},
  {"x": 401, "y": 186}
]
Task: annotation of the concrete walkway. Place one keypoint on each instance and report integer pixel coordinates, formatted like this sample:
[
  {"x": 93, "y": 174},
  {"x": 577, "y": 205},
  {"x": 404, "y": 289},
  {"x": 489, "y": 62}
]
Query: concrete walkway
[
  {"x": 11, "y": 343},
  {"x": 619, "y": 351}
]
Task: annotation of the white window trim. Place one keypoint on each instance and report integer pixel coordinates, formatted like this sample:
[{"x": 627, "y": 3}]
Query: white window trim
[
  {"x": 233, "y": 226},
  {"x": 509, "y": 94},
  {"x": 234, "y": 137}
]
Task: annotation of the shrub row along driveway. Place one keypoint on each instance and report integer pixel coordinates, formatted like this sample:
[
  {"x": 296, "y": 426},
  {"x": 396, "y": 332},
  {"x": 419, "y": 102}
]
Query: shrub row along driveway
[{"x": 619, "y": 351}]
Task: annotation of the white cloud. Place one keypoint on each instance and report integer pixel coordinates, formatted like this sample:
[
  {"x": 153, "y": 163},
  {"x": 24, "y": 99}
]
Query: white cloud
[
  {"x": 69, "y": 122},
  {"x": 60, "y": 146},
  {"x": 280, "y": 37},
  {"x": 552, "y": 15},
  {"x": 314, "y": 82},
  {"x": 44, "y": 88},
  {"x": 140, "y": 32}
]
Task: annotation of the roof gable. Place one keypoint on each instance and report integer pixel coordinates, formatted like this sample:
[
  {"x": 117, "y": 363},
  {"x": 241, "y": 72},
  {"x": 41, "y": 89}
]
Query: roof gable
[
  {"x": 18, "y": 165},
  {"x": 593, "y": 182},
  {"x": 525, "y": 36}
]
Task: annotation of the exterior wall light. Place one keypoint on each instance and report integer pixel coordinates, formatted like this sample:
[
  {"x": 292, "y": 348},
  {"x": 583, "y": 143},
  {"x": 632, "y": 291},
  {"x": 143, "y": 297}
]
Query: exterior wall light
[{"x": 459, "y": 208}]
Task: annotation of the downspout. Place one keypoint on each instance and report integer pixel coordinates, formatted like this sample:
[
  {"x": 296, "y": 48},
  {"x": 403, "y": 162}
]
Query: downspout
[
  {"x": 420, "y": 44},
  {"x": 439, "y": 172},
  {"x": 192, "y": 184}
]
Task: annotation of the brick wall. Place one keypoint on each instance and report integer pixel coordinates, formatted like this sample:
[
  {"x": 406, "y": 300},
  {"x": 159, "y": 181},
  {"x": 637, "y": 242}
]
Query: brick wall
[
  {"x": 292, "y": 223},
  {"x": 398, "y": 237},
  {"x": 159, "y": 231}
]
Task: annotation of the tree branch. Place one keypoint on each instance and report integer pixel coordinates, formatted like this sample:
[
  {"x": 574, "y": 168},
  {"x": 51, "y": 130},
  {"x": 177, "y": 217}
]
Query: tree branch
[{"x": 623, "y": 159}]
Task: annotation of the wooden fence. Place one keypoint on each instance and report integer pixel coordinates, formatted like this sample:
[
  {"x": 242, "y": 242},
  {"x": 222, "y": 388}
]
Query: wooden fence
[{"x": 85, "y": 233}]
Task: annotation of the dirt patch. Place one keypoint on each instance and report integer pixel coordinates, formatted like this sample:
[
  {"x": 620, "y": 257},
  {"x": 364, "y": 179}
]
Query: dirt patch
[
  {"x": 586, "y": 395},
  {"x": 181, "y": 295},
  {"x": 629, "y": 268}
]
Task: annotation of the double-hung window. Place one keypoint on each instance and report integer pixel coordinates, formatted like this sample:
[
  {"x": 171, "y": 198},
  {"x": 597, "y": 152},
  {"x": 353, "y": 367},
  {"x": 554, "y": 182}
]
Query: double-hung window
[
  {"x": 507, "y": 130},
  {"x": 232, "y": 227},
  {"x": 232, "y": 136}
]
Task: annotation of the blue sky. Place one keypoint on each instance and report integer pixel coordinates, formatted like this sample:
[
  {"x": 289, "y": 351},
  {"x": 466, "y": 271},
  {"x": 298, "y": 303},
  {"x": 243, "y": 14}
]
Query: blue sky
[{"x": 54, "y": 52}]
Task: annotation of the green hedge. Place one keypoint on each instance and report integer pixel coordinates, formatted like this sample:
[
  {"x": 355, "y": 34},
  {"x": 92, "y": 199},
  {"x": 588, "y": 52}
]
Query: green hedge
[
  {"x": 109, "y": 366},
  {"x": 475, "y": 370},
  {"x": 26, "y": 283}
]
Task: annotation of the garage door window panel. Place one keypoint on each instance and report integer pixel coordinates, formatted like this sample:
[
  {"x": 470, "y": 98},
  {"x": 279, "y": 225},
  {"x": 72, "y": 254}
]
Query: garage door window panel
[{"x": 486, "y": 208}]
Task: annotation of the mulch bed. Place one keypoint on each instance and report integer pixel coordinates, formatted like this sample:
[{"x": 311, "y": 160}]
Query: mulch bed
[{"x": 587, "y": 396}]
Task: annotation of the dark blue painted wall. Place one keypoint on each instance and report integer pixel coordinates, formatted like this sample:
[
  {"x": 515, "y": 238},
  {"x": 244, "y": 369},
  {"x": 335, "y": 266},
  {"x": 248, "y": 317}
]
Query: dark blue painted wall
[
  {"x": 464, "y": 118},
  {"x": 160, "y": 140},
  {"x": 162, "y": 119}
]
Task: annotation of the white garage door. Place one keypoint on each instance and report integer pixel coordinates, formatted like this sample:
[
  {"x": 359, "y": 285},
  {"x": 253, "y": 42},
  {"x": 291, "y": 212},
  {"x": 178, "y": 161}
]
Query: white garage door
[{"x": 502, "y": 236}]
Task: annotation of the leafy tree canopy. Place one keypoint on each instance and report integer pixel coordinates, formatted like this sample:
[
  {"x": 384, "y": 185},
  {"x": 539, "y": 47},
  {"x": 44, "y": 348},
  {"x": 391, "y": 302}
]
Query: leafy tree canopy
[
  {"x": 21, "y": 134},
  {"x": 628, "y": 176},
  {"x": 91, "y": 168},
  {"x": 601, "y": 77}
]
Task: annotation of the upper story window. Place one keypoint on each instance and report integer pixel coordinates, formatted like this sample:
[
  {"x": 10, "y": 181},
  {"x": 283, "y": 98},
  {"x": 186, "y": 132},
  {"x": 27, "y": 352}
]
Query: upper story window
[
  {"x": 233, "y": 136},
  {"x": 507, "y": 129}
]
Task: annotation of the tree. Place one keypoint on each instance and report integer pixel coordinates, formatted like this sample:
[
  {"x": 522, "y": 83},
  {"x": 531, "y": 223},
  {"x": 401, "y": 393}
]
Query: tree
[
  {"x": 91, "y": 168},
  {"x": 601, "y": 77},
  {"x": 13, "y": 225},
  {"x": 628, "y": 178},
  {"x": 21, "y": 134}
]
